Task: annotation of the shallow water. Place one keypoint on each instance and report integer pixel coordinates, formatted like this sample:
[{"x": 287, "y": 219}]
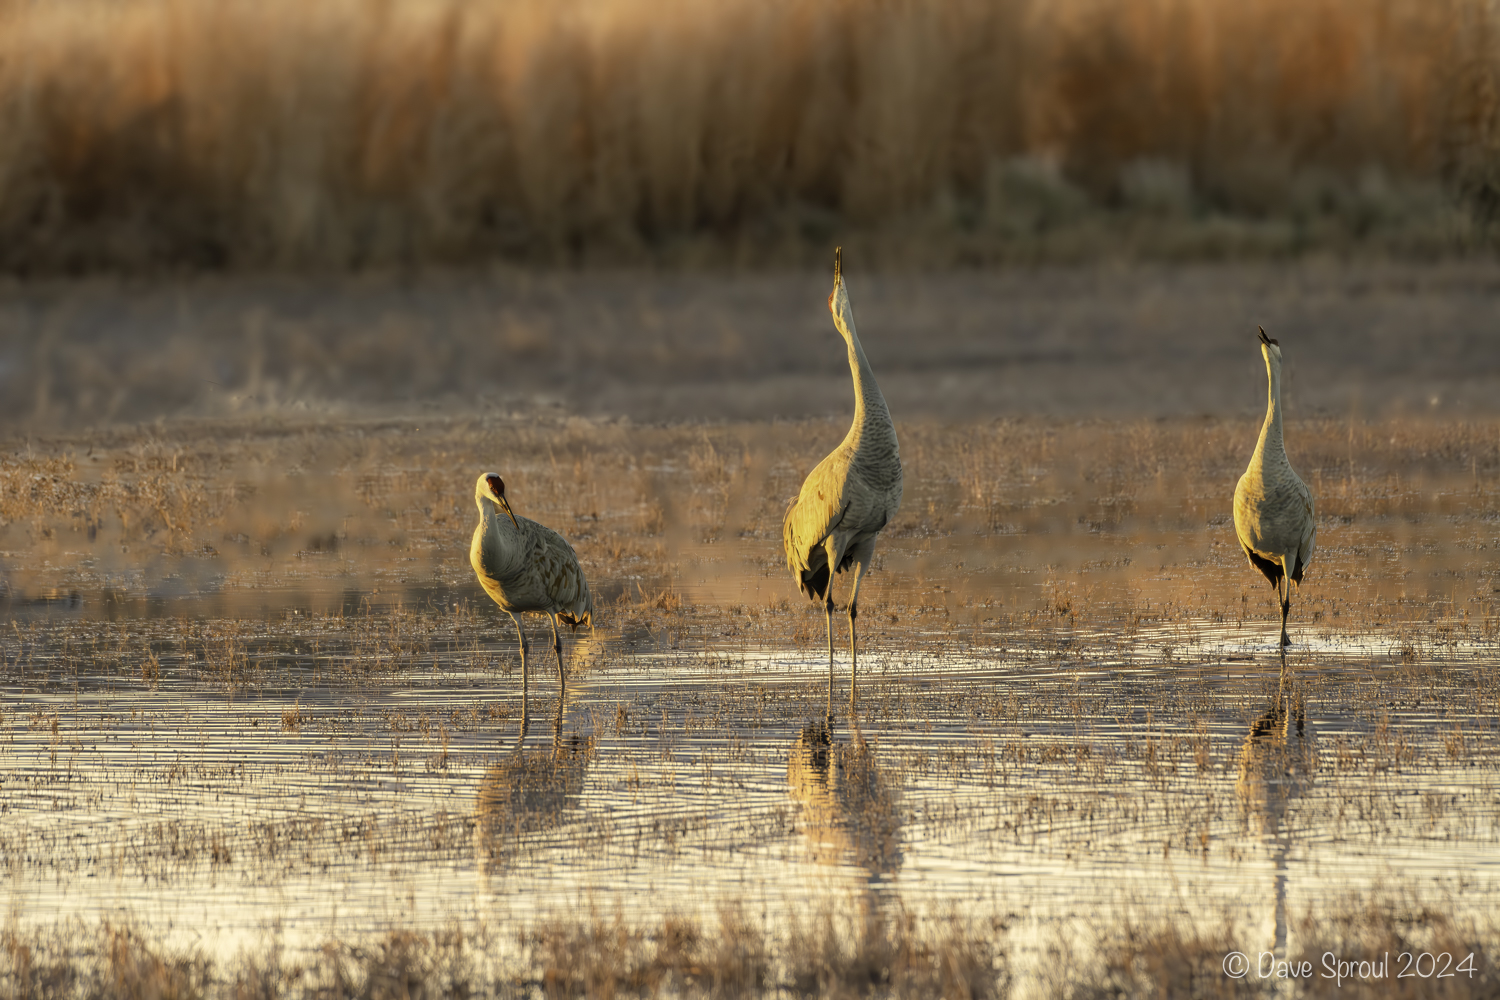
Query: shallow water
[{"x": 318, "y": 774}]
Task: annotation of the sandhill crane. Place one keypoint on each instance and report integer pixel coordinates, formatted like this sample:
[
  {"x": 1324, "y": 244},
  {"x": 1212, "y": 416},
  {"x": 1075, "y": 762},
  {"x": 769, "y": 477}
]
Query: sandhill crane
[
  {"x": 1273, "y": 509},
  {"x": 527, "y": 566},
  {"x": 849, "y": 497}
]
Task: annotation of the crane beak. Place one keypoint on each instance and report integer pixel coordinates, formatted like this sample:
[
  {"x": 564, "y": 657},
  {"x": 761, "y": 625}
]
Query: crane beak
[
  {"x": 504, "y": 503},
  {"x": 838, "y": 279}
]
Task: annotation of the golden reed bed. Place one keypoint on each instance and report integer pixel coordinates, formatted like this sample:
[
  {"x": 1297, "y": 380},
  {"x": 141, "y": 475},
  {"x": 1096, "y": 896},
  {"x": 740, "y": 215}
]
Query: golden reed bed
[{"x": 358, "y": 132}]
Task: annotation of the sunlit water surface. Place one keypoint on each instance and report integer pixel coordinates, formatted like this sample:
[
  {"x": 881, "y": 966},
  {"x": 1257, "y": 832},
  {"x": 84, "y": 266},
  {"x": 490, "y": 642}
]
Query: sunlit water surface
[{"x": 1043, "y": 787}]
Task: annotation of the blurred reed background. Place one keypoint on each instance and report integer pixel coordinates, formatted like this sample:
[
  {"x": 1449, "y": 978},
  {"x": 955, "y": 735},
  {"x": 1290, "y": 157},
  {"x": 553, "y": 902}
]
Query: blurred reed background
[{"x": 273, "y": 133}]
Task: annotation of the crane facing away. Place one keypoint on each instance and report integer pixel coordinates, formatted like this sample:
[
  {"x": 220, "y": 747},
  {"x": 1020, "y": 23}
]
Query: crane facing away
[
  {"x": 1273, "y": 508},
  {"x": 525, "y": 566},
  {"x": 853, "y": 493}
]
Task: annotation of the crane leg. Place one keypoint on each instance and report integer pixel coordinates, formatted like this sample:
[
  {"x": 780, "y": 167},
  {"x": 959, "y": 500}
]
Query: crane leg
[
  {"x": 562, "y": 678},
  {"x": 832, "y": 553},
  {"x": 1284, "y": 591},
  {"x": 853, "y": 655},
  {"x": 859, "y": 574},
  {"x": 828, "y": 614},
  {"x": 525, "y": 718}
]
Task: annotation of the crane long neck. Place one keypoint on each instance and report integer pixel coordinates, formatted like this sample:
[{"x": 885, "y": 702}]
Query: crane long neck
[
  {"x": 1271, "y": 444},
  {"x": 501, "y": 536},
  {"x": 871, "y": 416}
]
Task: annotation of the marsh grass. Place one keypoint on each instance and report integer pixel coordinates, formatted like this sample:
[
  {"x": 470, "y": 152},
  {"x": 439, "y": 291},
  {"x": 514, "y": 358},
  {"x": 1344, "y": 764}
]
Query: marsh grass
[
  {"x": 1154, "y": 959},
  {"x": 579, "y": 957},
  {"x": 1015, "y": 524},
  {"x": 1162, "y": 957},
  {"x": 255, "y": 134},
  {"x": 594, "y": 956},
  {"x": 108, "y": 362},
  {"x": 1404, "y": 927}
]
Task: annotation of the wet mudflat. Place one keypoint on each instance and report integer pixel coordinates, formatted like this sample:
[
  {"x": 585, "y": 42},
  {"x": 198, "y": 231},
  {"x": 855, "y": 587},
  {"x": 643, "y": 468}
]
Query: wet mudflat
[{"x": 246, "y": 710}]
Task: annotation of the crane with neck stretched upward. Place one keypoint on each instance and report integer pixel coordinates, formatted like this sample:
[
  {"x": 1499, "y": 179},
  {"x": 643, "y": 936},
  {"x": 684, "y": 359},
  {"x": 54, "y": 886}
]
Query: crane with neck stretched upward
[
  {"x": 850, "y": 496},
  {"x": 1273, "y": 508}
]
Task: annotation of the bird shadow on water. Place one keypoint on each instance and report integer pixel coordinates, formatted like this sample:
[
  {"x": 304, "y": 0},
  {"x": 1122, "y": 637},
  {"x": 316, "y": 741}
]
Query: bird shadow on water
[
  {"x": 1276, "y": 765},
  {"x": 850, "y": 812}
]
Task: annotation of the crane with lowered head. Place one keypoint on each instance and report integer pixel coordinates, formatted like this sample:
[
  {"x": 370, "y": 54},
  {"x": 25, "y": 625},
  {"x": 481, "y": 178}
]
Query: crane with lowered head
[{"x": 527, "y": 567}]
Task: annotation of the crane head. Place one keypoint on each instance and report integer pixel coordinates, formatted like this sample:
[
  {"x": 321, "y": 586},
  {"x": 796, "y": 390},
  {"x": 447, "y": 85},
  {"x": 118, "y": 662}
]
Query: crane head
[
  {"x": 1268, "y": 345},
  {"x": 491, "y": 487},
  {"x": 838, "y": 299}
]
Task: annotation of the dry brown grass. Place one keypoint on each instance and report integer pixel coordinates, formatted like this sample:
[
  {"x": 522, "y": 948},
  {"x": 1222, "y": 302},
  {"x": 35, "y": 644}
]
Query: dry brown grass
[
  {"x": 886, "y": 957},
  {"x": 1016, "y": 524},
  {"x": 895, "y": 956},
  {"x": 583, "y": 957},
  {"x": 360, "y": 132},
  {"x": 1161, "y": 957},
  {"x": 111, "y": 961},
  {"x": 1398, "y": 927}
]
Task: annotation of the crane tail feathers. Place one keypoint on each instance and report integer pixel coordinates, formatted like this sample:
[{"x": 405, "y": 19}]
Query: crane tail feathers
[
  {"x": 1297, "y": 571},
  {"x": 1272, "y": 570},
  {"x": 1305, "y": 551},
  {"x": 814, "y": 582}
]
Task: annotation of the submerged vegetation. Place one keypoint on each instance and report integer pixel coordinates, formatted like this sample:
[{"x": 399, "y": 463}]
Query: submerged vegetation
[{"x": 367, "y": 133}]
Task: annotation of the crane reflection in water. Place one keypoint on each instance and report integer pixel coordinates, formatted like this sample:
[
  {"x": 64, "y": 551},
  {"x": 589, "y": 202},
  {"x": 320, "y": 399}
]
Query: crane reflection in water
[
  {"x": 1277, "y": 761},
  {"x": 850, "y": 812},
  {"x": 528, "y": 794}
]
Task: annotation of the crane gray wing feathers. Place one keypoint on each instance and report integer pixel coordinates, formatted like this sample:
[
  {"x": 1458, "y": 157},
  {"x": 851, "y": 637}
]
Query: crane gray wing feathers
[
  {"x": 546, "y": 577},
  {"x": 1274, "y": 518},
  {"x": 836, "y": 504},
  {"x": 557, "y": 564},
  {"x": 1309, "y": 539}
]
